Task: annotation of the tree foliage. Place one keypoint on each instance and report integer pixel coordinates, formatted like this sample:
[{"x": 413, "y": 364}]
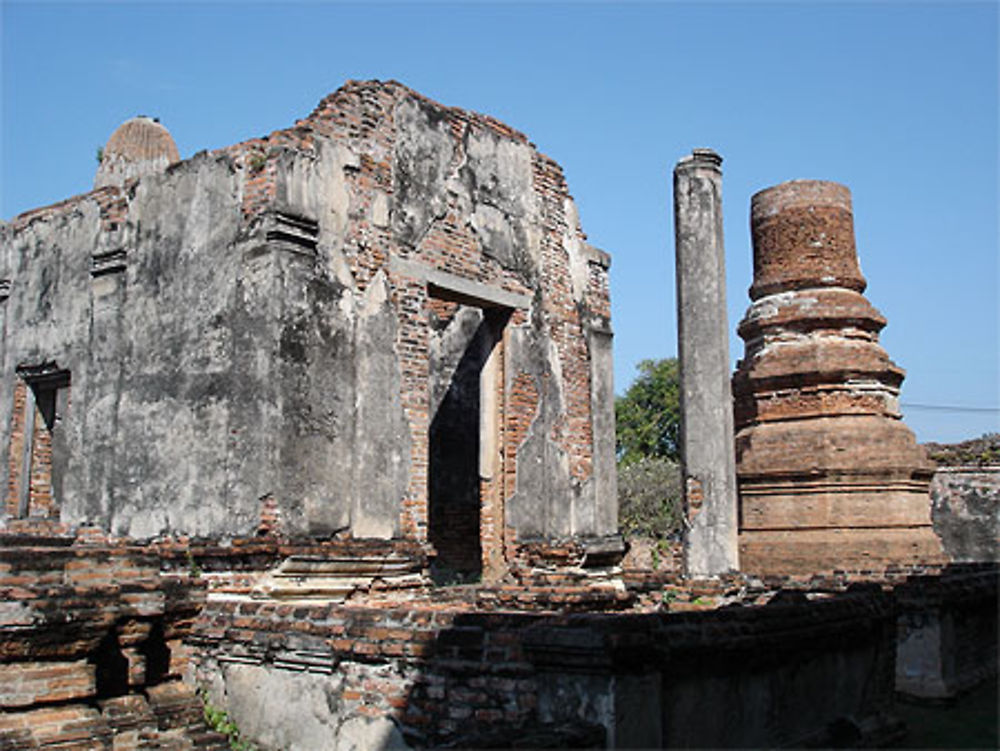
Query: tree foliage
[
  {"x": 648, "y": 443},
  {"x": 648, "y": 415}
]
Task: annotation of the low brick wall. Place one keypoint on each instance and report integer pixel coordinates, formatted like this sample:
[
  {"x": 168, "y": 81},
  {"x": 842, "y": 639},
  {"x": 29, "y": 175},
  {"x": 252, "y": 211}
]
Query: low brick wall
[
  {"x": 430, "y": 673},
  {"x": 92, "y": 652},
  {"x": 101, "y": 644}
]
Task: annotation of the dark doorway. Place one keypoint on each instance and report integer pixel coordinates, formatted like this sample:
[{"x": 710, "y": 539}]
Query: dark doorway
[
  {"x": 110, "y": 667},
  {"x": 157, "y": 655},
  {"x": 454, "y": 443}
]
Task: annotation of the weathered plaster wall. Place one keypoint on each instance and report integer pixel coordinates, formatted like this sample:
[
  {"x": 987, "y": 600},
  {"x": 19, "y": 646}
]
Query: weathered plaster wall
[
  {"x": 252, "y": 329},
  {"x": 965, "y": 510}
]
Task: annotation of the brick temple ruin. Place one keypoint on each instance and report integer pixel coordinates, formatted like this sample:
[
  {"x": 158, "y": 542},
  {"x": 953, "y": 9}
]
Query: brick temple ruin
[
  {"x": 384, "y": 323},
  {"x": 327, "y": 416}
]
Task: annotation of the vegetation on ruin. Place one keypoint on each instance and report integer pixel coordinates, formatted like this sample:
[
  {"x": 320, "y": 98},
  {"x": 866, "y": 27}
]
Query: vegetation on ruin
[
  {"x": 256, "y": 161},
  {"x": 977, "y": 452},
  {"x": 194, "y": 570},
  {"x": 648, "y": 446},
  {"x": 220, "y": 721}
]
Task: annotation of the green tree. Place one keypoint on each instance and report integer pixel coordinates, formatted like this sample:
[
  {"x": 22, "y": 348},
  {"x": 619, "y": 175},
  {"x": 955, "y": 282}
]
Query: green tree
[{"x": 648, "y": 415}]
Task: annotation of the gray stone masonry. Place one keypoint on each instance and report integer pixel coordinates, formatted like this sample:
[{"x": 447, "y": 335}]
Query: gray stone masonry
[{"x": 706, "y": 397}]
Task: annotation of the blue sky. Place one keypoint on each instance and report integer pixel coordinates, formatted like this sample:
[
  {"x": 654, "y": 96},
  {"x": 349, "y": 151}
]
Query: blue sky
[{"x": 898, "y": 100}]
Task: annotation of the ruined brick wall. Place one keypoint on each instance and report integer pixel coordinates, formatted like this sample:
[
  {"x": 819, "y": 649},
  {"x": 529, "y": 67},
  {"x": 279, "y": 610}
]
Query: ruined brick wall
[
  {"x": 273, "y": 325},
  {"x": 464, "y": 671},
  {"x": 965, "y": 509},
  {"x": 92, "y": 653},
  {"x": 96, "y": 636}
]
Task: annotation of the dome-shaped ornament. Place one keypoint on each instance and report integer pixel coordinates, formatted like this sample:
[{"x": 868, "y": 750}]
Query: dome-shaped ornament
[{"x": 139, "y": 147}]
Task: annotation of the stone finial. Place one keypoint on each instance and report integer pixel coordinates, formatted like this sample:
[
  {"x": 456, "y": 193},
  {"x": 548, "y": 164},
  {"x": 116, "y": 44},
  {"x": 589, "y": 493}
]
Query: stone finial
[
  {"x": 829, "y": 476},
  {"x": 701, "y": 158},
  {"x": 138, "y": 147}
]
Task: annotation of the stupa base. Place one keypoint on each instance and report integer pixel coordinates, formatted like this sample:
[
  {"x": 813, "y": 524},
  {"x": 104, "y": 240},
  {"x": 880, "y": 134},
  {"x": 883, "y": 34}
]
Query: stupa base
[{"x": 799, "y": 552}]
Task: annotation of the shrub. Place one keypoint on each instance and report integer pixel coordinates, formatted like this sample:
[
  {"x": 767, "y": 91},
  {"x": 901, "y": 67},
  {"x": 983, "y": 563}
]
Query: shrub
[
  {"x": 650, "y": 502},
  {"x": 982, "y": 451}
]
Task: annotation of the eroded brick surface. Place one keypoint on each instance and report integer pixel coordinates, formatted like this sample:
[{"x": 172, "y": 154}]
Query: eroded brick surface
[
  {"x": 91, "y": 653},
  {"x": 829, "y": 476}
]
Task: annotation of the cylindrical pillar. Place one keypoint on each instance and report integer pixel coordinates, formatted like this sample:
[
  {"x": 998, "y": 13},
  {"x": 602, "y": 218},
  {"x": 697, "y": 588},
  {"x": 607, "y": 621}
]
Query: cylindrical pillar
[
  {"x": 707, "y": 452},
  {"x": 803, "y": 238}
]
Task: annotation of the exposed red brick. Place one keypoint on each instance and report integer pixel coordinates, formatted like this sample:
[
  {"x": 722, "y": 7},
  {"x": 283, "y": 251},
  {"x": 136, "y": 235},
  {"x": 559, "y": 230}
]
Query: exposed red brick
[{"x": 828, "y": 474}]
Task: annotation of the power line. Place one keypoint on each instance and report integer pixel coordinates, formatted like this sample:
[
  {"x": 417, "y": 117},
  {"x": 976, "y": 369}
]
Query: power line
[{"x": 947, "y": 408}]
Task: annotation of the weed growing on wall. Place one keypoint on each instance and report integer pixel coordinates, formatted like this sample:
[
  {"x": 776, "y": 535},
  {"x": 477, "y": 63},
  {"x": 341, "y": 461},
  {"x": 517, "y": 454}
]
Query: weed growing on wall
[
  {"x": 220, "y": 721},
  {"x": 976, "y": 452}
]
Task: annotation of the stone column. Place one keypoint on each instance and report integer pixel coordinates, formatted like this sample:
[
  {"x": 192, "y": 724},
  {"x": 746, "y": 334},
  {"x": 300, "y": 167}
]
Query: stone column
[{"x": 706, "y": 398}]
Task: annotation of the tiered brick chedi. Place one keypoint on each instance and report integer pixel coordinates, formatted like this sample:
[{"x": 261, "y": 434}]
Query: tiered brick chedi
[
  {"x": 829, "y": 476},
  {"x": 384, "y": 323}
]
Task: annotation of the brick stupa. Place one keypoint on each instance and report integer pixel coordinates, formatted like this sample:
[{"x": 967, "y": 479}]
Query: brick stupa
[{"x": 829, "y": 476}]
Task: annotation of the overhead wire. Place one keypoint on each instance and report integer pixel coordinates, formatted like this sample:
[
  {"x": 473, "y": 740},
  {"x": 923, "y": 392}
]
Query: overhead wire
[{"x": 948, "y": 408}]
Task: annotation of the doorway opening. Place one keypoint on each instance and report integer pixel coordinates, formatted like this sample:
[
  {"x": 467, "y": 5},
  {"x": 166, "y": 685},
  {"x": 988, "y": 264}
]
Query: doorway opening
[
  {"x": 464, "y": 441},
  {"x": 38, "y": 453}
]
